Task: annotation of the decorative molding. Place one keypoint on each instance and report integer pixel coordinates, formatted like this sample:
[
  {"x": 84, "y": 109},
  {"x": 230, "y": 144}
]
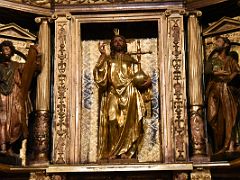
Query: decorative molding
[
  {"x": 78, "y": 2},
  {"x": 61, "y": 125},
  {"x": 43, "y": 3},
  {"x": 133, "y": 6},
  {"x": 222, "y": 26},
  {"x": 202, "y": 3},
  {"x": 16, "y": 5}
]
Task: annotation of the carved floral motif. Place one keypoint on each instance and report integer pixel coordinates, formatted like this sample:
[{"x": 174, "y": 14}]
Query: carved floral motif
[
  {"x": 178, "y": 94},
  {"x": 70, "y": 2},
  {"x": 60, "y": 121}
]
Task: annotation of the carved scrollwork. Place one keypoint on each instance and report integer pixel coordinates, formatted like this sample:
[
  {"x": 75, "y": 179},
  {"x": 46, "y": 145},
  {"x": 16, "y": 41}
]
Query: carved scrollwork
[
  {"x": 178, "y": 90},
  {"x": 61, "y": 107},
  {"x": 38, "y": 2}
]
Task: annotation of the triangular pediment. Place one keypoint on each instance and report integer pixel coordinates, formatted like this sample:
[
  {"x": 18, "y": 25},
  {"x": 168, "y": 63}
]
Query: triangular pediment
[
  {"x": 224, "y": 25},
  {"x": 12, "y": 30}
]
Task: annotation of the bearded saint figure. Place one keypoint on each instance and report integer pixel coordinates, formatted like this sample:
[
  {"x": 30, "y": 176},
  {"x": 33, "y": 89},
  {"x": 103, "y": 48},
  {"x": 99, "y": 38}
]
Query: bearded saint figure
[{"x": 122, "y": 101}]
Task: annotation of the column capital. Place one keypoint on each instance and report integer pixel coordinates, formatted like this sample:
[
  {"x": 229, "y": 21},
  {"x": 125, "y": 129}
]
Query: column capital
[
  {"x": 39, "y": 20},
  {"x": 55, "y": 16},
  {"x": 195, "y": 13},
  {"x": 169, "y": 12}
]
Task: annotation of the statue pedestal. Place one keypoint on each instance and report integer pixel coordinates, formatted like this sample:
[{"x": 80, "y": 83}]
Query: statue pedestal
[
  {"x": 118, "y": 161},
  {"x": 10, "y": 160}
]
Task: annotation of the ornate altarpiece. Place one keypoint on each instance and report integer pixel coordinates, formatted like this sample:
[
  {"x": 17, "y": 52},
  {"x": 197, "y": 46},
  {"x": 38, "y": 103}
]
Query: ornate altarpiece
[
  {"x": 76, "y": 95},
  {"x": 177, "y": 124}
]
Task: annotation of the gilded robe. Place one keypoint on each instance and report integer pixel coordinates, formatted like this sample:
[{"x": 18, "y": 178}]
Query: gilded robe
[
  {"x": 221, "y": 104},
  {"x": 122, "y": 107}
]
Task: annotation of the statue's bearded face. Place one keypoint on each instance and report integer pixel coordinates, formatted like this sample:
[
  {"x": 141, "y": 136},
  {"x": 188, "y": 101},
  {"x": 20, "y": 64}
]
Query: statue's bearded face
[
  {"x": 221, "y": 45},
  {"x": 119, "y": 44},
  {"x": 6, "y": 52}
]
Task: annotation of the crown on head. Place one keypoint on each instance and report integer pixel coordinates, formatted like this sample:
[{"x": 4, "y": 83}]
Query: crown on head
[{"x": 116, "y": 31}]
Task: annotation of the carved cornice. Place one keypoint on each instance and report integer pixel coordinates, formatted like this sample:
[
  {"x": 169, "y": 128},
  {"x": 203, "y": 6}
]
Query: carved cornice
[
  {"x": 202, "y": 3},
  {"x": 26, "y": 8},
  {"x": 117, "y": 7},
  {"x": 43, "y": 3}
]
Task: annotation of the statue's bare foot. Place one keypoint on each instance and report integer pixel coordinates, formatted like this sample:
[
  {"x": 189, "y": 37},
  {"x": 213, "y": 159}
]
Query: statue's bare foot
[
  {"x": 112, "y": 157},
  {"x": 11, "y": 153},
  {"x": 237, "y": 148},
  {"x": 231, "y": 147},
  {"x": 221, "y": 151},
  {"x": 124, "y": 156},
  {"x": 3, "y": 149}
]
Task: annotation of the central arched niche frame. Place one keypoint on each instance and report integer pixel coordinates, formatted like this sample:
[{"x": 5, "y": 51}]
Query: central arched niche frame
[{"x": 69, "y": 86}]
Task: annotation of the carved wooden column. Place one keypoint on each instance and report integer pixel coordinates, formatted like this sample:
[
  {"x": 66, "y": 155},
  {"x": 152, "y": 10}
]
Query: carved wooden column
[
  {"x": 41, "y": 126},
  {"x": 195, "y": 70}
]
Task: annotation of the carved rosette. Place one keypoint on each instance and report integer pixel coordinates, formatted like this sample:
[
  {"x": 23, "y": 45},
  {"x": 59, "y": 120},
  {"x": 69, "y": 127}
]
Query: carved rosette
[
  {"x": 176, "y": 56},
  {"x": 60, "y": 125},
  {"x": 41, "y": 138}
]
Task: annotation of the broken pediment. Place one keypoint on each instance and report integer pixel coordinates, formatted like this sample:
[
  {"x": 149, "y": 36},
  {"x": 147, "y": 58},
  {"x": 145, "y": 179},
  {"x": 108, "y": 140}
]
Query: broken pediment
[
  {"x": 12, "y": 30},
  {"x": 224, "y": 25}
]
